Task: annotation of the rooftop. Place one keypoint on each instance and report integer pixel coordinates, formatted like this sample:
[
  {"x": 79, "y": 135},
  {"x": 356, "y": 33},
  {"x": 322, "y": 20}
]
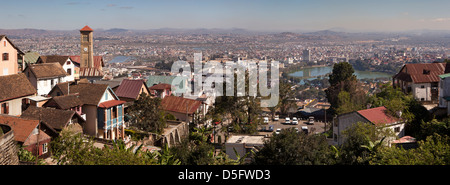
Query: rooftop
[{"x": 246, "y": 139}]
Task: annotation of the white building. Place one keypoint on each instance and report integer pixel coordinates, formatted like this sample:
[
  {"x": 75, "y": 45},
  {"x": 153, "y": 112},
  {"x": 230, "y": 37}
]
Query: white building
[
  {"x": 65, "y": 61},
  {"x": 45, "y": 76},
  {"x": 444, "y": 92},
  {"x": 243, "y": 144}
]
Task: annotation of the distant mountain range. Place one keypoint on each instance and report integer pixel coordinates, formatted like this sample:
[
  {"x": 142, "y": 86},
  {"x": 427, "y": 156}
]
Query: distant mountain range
[{"x": 329, "y": 32}]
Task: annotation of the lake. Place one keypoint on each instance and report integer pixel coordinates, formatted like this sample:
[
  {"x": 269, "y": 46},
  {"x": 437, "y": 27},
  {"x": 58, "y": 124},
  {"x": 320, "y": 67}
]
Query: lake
[
  {"x": 121, "y": 59},
  {"x": 312, "y": 73}
]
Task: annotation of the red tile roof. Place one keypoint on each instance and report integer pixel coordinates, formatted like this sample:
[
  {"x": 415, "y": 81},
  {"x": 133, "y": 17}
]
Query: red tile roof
[
  {"x": 130, "y": 88},
  {"x": 22, "y": 127},
  {"x": 111, "y": 103},
  {"x": 86, "y": 28},
  {"x": 378, "y": 116},
  {"x": 180, "y": 105}
]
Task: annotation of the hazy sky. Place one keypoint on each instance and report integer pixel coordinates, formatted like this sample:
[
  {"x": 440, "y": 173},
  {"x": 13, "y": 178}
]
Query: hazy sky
[{"x": 280, "y": 15}]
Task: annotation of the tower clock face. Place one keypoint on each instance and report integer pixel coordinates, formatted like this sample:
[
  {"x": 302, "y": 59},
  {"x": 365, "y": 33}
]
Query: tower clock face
[{"x": 85, "y": 49}]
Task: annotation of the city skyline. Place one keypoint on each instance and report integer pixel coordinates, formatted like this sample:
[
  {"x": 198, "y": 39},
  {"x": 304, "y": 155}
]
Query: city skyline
[{"x": 263, "y": 15}]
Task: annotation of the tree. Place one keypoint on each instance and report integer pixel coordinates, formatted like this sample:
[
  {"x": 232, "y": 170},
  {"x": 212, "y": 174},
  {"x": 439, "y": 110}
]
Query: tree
[
  {"x": 341, "y": 72},
  {"x": 292, "y": 148},
  {"x": 343, "y": 79},
  {"x": 434, "y": 150},
  {"x": 146, "y": 114}
]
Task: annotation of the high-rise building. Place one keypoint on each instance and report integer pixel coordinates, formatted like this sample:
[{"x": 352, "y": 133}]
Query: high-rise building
[{"x": 306, "y": 55}]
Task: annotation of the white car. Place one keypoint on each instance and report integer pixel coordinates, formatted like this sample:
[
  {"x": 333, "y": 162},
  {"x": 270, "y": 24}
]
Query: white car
[
  {"x": 276, "y": 118},
  {"x": 266, "y": 119},
  {"x": 287, "y": 121},
  {"x": 278, "y": 131},
  {"x": 294, "y": 121}
]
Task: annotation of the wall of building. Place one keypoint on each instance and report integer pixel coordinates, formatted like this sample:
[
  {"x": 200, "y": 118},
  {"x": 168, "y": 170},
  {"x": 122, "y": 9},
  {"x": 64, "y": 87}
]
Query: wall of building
[
  {"x": 10, "y": 66},
  {"x": 91, "y": 120},
  {"x": 8, "y": 148},
  {"x": 15, "y": 106},
  {"x": 341, "y": 123},
  {"x": 421, "y": 91}
]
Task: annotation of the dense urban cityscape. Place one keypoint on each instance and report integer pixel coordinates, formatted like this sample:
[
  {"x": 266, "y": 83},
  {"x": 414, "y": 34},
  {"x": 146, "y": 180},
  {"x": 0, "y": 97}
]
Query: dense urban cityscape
[{"x": 131, "y": 96}]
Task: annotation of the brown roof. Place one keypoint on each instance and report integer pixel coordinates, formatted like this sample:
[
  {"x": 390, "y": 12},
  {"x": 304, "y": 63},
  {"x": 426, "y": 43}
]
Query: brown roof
[
  {"x": 88, "y": 71},
  {"x": 180, "y": 105},
  {"x": 15, "y": 86},
  {"x": 22, "y": 127},
  {"x": 110, "y": 103},
  {"x": 49, "y": 70},
  {"x": 421, "y": 73},
  {"x": 56, "y": 118},
  {"x": 54, "y": 59},
  {"x": 130, "y": 88},
  {"x": 161, "y": 86},
  {"x": 64, "y": 102},
  {"x": 89, "y": 93}
]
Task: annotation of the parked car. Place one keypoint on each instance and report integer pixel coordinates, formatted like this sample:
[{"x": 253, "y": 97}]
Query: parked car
[
  {"x": 311, "y": 120},
  {"x": 278, "y": 131},
  {"x": 305, "y": 129},
  {"x": 287, "y": 120},
  {"x": 266, "y": 119},
  {"x": 276, "y": 118},
  {"x": 270, "y": 128},
  {"x": 294, "y": 121}
]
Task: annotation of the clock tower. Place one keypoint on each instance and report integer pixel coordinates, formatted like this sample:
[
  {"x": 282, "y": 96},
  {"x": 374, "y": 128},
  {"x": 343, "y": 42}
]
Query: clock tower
[{"x": 87, "y": 48}]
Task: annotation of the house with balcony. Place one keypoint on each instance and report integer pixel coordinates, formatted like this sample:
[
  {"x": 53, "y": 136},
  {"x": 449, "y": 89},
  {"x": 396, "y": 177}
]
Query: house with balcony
[{"x": 104, "y": 110}]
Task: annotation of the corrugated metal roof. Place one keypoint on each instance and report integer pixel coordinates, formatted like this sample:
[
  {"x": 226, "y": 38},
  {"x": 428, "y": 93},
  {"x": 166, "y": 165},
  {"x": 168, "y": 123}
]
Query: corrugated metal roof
[
  {"x": 378, "y": 116},
  {"x": 180, "y": 105},
  {"x": 421, "y": 73},
  {"x": 31, "y": 57},
  {"x": 129, "y": 88}
]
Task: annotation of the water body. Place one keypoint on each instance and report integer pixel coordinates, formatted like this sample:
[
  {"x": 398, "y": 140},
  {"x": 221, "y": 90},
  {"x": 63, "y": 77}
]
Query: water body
[
  {"x": 121, "y": 59},
  {"x": 312, "y": 73}
]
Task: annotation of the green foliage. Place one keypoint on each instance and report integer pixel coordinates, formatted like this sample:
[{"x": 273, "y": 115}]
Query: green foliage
[
  {"x": 342, "y": 71},
  {"x": 146, "y": 114},
  {"x": 342, "y": 79},
  {"x": 435, "y": 150},
  {"x": 361, "y": 140},
  {"x": 346, "y": 104},
  {"x": 74, "y": 149},
  {"x": 291, "y": 148}
]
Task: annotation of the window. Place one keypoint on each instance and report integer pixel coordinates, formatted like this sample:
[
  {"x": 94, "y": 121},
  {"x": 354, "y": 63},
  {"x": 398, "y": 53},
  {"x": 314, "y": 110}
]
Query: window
[
  {"x": 44, "y": 148},
  {"x": 68, "y": 62},
  {"x": 397, "y": 129},
  {"x": 5, "y": 56},
  {"x": 69, "y": 71},
  {"x": 4, "y": 43},
  {"x": 106, "y": 96},
  {"x": 52, "y": 82},
  {"x": 422, "y": 86},
  {"x": 5, "y": 108}
]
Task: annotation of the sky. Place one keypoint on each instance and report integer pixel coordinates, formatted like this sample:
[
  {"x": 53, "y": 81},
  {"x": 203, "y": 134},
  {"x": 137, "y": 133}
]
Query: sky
[{"x": 258, "y": 15}]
